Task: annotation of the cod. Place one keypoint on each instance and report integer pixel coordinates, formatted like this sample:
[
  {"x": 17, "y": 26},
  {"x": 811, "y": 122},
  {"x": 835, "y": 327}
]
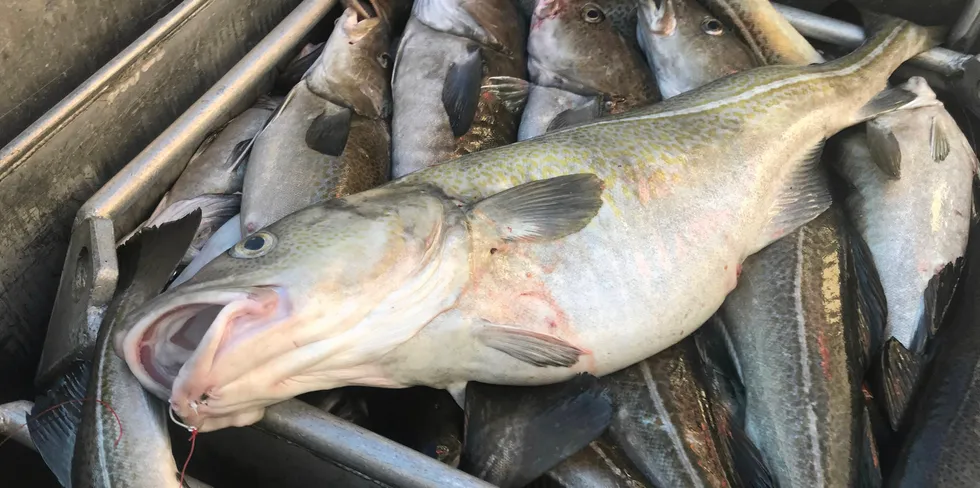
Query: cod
[{"x": 586, "y": 249}]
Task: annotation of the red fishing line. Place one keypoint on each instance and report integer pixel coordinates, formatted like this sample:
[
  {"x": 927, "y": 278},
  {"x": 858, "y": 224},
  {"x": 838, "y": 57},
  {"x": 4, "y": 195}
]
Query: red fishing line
[
  {"x": 80, "y": 400},
  {"x": 189, "y": 454}
]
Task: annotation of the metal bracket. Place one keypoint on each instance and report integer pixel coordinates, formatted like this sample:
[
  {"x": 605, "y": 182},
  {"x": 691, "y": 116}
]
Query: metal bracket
[{"x": 88, "y": 282}]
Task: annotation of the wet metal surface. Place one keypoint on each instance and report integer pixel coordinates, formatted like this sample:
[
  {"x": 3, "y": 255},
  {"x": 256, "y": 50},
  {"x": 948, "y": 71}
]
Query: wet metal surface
[
  {"x": 63, "y": 158},
  {"x": 129, "y": 196},
  {"x": 54, "y": 45}
]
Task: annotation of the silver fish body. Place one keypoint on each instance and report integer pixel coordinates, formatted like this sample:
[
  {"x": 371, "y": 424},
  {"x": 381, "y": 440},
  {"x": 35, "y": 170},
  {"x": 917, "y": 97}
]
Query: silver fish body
[
  {"x": 794, "y": 327},
  {"x": 916, "y": 225},
  {"x": 453, "y": 94},
  {"x": 544, "y": 104},
  {"x": 686, "y": 47},
  {"x": 330, "y": 136},
  {"x": 218, "y": 166},
  {"x": 524, "y": 264}
]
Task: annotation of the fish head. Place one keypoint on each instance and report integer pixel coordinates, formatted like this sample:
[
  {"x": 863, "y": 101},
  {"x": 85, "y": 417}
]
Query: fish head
[
  {"x": 311, "y": 302},
  {"x": 687, "y": 46},
  {"x": 570, "y": 45},
  {"x": 355, "y": 67}
]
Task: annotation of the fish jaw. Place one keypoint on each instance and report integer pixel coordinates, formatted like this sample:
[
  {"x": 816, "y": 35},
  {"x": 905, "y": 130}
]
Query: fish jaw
[
  {"x": 354, "y": 67},
  {"x": 221, "y": 353},
  {"x": 162, "y": 342}
]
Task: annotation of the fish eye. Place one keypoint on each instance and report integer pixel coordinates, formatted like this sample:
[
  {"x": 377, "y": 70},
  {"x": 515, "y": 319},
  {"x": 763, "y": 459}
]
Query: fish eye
[
  {"x": 712, "y": 26},
  {"x": 384, "y": 59},
  {"x": 253, "y": 246},
  {"x": 592, "y": 14}
]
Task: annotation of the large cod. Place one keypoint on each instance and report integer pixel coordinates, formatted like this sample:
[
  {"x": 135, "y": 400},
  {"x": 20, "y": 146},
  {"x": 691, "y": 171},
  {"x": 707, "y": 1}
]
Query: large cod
[{"x": 583, "y": 250}]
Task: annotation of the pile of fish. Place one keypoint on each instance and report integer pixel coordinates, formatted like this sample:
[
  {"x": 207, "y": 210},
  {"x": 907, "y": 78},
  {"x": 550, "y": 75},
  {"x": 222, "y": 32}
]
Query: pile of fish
[{"x": 602, "y": 243}]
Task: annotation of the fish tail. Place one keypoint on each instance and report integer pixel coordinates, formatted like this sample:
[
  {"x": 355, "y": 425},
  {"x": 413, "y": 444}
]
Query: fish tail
[{"x": 893, "y": 42}]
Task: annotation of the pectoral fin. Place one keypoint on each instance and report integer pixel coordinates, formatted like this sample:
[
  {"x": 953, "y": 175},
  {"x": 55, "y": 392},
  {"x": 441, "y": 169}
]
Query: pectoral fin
[
  {"x": 512, "y": 92},
  {"x": 871, "y": 302},
  {"x": 938, "y": 297},
  {"x": 53, "y": 422},
  {"x": 888, "y": 100},
  {"x": 805, "y": 196},
  {"x": 894, "y": 378},
  {"x": 543, "y": 209},
  {"x": 238, "y": 156},
  {"x": 885, "y": 150},
  {"x": 328, "y": 133},
  {"x": 750, "y": 467},
  {"x": 461, "y": 90},
  {"x": 722, "y": 374},
  {"x": 531, "y": 347},
  {"x": 576, "y": 116},
  {"x": 938, "y": 141}
]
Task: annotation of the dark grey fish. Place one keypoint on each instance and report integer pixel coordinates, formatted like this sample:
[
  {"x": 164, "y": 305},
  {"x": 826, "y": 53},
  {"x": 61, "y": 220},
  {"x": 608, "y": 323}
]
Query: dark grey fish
[
  {"x": 330, "y": 137},
  {"x": 942, "y": 447},
  {"x": 453, "y": 94},
  {"x": 794, "y": 322},
  {"x": 514, "y": 434},
  {"x": 141, "y": 456},
  {"x": 666, "y": 423},
  {"x": 601, "y": 464},
  {"x": 569, "y": 48},
  {"x": 493, "y": 24}
]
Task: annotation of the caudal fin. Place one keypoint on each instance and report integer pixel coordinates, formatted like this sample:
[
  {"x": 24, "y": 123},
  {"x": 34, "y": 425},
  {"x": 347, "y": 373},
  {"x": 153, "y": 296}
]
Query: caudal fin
[{"x": 893, "y": 42}]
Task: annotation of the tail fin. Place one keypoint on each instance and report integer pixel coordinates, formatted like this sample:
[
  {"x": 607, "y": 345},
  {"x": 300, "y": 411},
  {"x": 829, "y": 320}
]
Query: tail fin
[
  {"x": 875, "y": 22},
  {"x": 893, "y": 41}
]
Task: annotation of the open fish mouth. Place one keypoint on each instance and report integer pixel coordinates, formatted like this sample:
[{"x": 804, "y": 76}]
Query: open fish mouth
[{"x": 192, "y": 330}]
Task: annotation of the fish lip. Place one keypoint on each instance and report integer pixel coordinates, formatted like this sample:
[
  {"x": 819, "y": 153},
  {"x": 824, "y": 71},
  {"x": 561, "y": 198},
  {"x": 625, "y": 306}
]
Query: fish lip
[{"x": 129, "y": 344}]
